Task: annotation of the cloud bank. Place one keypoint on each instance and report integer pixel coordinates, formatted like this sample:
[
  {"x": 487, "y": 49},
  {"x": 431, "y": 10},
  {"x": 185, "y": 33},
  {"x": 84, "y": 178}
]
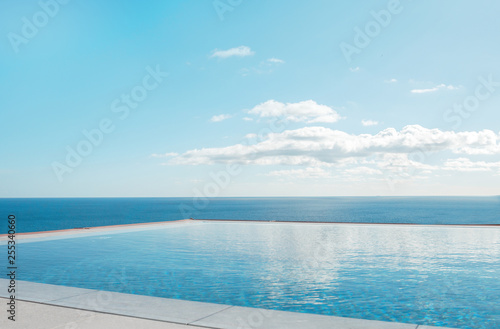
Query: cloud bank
[{"x": 320, "y": 146}]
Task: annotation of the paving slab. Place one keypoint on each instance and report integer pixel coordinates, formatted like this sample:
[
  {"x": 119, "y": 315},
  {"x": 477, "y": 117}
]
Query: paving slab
[
  {"x": 165, "y": 309},
  {"x": 39, "y": 292},
  {"x": 254, "y": 318},
  {"x": 32, "y": 315}
]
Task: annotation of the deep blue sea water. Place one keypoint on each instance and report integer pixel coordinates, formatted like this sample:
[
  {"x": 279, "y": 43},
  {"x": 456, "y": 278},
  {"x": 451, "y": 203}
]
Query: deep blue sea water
[{"x": 39, "y": 214}]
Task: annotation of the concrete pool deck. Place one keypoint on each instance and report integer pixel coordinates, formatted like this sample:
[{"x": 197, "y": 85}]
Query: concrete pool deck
[
  {"x": 52, "y": 306},
  {"x": 52, "y": 317}
]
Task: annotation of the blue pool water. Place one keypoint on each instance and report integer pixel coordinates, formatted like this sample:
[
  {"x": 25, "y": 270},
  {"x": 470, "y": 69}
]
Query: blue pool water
[
  {"x": 430, "y": 275},
  {"x": 55, "y": 214}
]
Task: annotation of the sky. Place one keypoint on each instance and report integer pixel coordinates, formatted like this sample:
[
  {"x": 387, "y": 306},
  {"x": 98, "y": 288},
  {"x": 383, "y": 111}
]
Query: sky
[{"x": 204, "y": 98}]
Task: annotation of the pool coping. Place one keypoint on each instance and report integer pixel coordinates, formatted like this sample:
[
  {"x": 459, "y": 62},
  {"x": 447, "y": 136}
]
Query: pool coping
[
  {"x": 79, "y": 230},
  {"x": 199, "y": 314}
]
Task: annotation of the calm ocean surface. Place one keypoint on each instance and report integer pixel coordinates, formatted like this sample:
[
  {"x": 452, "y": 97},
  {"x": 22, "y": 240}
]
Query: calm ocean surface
[{"x": 54, "y": 214}]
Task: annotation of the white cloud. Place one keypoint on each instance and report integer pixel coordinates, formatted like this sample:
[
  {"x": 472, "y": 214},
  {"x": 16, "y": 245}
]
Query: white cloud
[
  {"x": 317, "y": 146},
  {"x": 276, "y": 60},
  {"x": 240, "y": 51},
  {"x": 400, "y": 164},
  {"x": 247, "y": 119},
  {"x": 220, "y": 117},
  {"x": 165, "y": 155},
  {"x": 306, "y": 111},
  {"x": 354, "y": 69},
  {"x": 367, "y": 123},
  {"x": 465, "y": 164},
  {"x": 311, "y": 172},
  {"x": 391, "y": 81},
  {"x": 433, "y": 89}
]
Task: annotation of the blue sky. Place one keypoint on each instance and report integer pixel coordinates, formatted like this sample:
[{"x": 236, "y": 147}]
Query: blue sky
[{"x": 249, "y": 98}]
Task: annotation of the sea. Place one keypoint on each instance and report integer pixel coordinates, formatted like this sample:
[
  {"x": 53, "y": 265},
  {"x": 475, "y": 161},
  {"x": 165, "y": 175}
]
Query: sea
[{"x": 47, "y": 214}]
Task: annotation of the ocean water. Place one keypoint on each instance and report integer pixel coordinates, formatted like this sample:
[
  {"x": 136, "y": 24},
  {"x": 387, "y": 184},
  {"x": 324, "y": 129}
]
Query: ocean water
[
  {"x": 39, "y": 214},
  {"x": 427, "y": 275}
]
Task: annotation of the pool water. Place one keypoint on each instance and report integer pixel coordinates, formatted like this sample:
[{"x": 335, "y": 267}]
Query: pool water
[{"x": 429, "y": 275}]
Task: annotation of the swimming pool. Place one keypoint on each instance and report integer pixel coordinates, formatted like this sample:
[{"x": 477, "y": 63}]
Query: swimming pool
[{"x": 429, "y": 275}]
